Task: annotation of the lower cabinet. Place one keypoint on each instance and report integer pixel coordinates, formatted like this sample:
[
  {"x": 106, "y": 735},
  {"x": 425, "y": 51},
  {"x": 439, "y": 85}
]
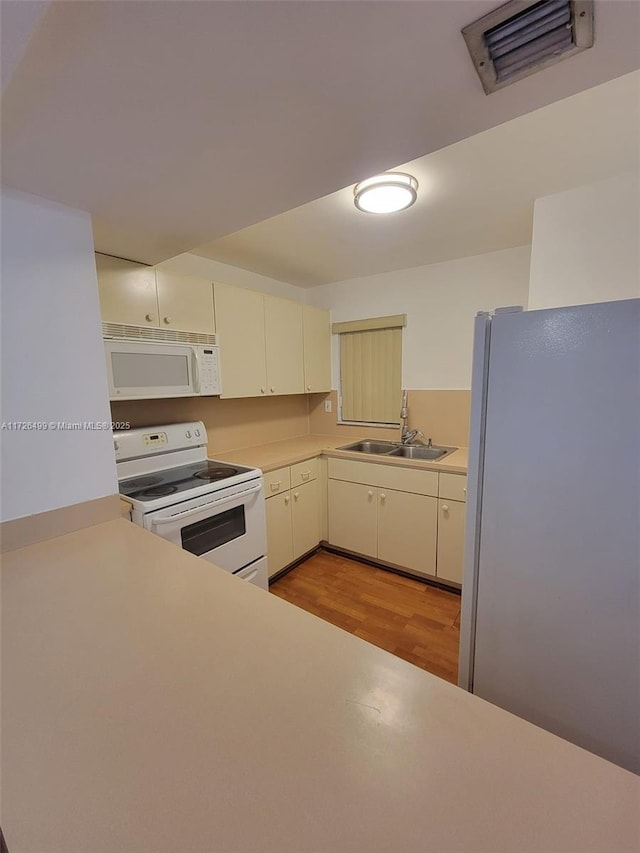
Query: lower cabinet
[
  {"x": 293, "y": 509},
  {"x": 417, "y": 525},
  {"x": 407, "y": 526},
  {"x": 397, "y": 527}
]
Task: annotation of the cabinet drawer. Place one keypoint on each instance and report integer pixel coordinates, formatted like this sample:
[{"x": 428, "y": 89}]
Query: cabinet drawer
[
  {"x": 276, "y": 482},
  {"x": 453, "y": 487},
  {"x": 385, "y": 476},
  {"x": 304, "y": 472}
]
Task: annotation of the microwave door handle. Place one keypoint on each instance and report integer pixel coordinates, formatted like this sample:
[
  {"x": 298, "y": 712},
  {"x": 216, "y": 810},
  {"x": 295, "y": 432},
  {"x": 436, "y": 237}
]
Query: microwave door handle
[
  {"x": 196, "y": 372},
  {"x": 198, "y": 509}
]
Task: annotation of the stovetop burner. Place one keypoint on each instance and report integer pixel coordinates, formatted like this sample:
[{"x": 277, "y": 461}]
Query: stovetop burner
[
  {"x": 217, "y": 472},
  {"x": 158, "y": 491},
  {"x": 181, "y": 479}
]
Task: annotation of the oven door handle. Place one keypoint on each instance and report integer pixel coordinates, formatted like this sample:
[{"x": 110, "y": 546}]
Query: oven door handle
[{"x": 187, "y": 513}]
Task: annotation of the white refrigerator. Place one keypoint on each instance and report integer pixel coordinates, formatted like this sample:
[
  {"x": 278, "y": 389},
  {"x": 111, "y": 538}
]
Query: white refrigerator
[{"x": 550, "y": 626}]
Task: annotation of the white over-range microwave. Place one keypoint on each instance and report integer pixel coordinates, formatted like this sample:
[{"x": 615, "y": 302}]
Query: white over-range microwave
[{"x": 149, "y": 370}]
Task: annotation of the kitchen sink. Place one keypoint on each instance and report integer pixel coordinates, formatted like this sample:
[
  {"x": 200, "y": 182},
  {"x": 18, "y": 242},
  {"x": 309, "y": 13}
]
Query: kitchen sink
[
  {"x": 379, "y": 447},
  {"x": 408, "y": 451},
  {"x": 405, "y": 451}
]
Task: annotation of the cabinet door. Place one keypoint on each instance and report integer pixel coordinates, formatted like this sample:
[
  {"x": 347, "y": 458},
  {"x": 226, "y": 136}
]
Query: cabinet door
[
  {"x": 127, "y": 292},
  {"x": 279, "y": 536},
  {"x": 352, "y": 517},
  {"x": 283, "y": 332},
  {"x": 450, "y": 540},
  {"x": 185, "y": 302},
  {"x": 240, "y": 323},
  {"x": 317, "y": 349},
  {"x": 305, "y": 511},
  {"x": 407, "y": 530}
]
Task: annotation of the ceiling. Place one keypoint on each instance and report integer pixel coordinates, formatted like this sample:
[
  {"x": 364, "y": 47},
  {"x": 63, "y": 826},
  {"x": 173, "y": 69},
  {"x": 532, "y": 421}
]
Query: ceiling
[
  {"x": 474, "y": 196},
  {"x": 176, "y": 123}
]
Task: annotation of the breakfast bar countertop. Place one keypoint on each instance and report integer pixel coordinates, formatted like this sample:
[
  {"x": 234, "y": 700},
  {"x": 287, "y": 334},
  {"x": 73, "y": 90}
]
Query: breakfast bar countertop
[{"x": 153, "y": 703}]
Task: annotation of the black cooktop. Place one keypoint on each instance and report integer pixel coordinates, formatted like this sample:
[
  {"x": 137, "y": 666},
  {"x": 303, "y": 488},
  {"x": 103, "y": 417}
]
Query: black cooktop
[{"x": 175, "y": 480}]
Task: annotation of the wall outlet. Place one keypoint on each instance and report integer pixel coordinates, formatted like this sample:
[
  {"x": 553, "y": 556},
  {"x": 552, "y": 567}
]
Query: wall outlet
[{"x": 327, "y": 406}]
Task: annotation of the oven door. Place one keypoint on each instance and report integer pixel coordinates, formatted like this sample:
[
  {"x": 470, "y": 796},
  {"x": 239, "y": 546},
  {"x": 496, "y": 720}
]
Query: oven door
[{"x": 227, "y": 527}]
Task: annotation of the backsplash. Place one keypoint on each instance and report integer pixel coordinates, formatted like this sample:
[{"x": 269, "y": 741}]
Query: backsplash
[
  {"x": 441, "y": 415},
  {"x": 233, "y": 424}
]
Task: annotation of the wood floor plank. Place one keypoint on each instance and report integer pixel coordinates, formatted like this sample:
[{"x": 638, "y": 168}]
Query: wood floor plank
[{"x": 417, "y": 622}]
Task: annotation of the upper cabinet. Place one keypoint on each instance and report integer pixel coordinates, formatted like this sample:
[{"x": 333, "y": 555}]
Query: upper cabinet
[
  {"x": 241, "y": 337},
  {"x": 268, "y": 346},
  {"x": 317, "y": 349},
  {"x": 260, "y": 340},
  {"x": 185, "y": 302},
  {"x": 139, "y": 295},
  {"x": 283, "y": 339},
  {"x": 127, "y": 292}
]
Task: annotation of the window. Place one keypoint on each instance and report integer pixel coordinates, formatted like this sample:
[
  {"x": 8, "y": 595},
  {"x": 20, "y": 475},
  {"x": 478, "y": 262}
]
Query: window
[{"x": 371, "y": 370}]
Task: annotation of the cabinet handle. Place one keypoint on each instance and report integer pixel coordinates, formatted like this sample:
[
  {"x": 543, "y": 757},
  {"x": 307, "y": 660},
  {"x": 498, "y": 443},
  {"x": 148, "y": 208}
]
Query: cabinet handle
[
  {"x": 370, "y": 494},
  {"x": 296, "y": 495},
  {"x": 286, "y": 500},
  {"x": 263, "y": 390},
  {"x": 167, "y": 320},
  {"x": 273, "y": 390},
  {"x": 383, "y": 498},
  {"x": 148, "y": 318},
  {"x": 308, "y": 387},
  {"x": 305, "y": 475},
  {"x": 275, "y": 486},
  {"x": 445, "y": 508},
  {"x": 465, "y": 491}
]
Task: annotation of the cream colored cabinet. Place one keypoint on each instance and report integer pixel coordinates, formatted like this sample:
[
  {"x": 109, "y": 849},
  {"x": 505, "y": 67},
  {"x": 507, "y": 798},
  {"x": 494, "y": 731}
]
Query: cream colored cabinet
[
  {"x": 353, "y": 517},
  {"x": 185, "y": 302},
  {"x": 260, "y": 341},
  {"x": 138, "y": 295},
  {"x": 386, "y": 512},
  {"x": 241, "y": 337},
  {"x": 407, "y": 530},
  {"x": 451, "y": 518},
  {"x": 283, "y": 341},
  {"x": 127, "y": 292},
  {"x": 305, "y": 517},
  {"x": 294, "y": 513},
  {"x": 279, "y": 532},
  {"x": 317, "y": 349}
]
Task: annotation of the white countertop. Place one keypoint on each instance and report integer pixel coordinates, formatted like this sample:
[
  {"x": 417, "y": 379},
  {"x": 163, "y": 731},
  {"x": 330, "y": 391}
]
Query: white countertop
[{"x": 152, "y": 703}]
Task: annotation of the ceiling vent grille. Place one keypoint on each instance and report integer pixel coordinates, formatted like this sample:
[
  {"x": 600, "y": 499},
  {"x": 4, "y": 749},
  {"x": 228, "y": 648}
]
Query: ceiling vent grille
[{"x": 523, "y": 37}]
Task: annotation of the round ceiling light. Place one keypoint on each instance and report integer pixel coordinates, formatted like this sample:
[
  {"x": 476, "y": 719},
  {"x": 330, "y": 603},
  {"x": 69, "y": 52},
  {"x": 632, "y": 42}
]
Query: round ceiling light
[{"x": 386, "y": 193}]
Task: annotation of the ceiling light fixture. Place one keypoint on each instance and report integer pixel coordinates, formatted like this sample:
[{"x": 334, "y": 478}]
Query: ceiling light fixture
[{"x": 386, "y": 193}]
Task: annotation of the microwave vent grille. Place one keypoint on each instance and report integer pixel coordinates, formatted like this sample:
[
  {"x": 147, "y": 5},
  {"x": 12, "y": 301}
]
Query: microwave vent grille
[{"x": 119, "y": 331}]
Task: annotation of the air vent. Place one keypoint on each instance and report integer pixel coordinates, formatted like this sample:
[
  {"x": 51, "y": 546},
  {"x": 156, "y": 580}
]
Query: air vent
[
  {"x": 119, "y": 331},
  {"x": 523, "y": 37}
]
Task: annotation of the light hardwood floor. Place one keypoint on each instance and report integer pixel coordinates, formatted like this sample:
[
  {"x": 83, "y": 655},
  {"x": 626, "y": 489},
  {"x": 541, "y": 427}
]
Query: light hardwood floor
[{"x": 417, "y": 622}]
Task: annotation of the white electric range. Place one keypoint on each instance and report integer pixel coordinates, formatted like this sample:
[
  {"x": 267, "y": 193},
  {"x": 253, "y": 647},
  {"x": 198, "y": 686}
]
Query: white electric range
[{"x": 212, "y": 509}]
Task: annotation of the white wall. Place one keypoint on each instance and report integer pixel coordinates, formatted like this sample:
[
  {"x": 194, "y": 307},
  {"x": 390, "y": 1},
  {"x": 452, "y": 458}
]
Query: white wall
[
  {"x": 53, "y": 365},
  {"x": 586, "y": 244},
  {"x": 194, "y": 265},
  {"x": 440, "y": 301}
]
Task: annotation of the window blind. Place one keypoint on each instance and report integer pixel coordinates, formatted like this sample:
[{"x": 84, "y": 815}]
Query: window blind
[{"x": 370, "y": 375}]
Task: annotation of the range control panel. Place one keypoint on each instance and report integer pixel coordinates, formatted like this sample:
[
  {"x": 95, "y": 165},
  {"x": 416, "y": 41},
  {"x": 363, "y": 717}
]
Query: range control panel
[
  {"x": 155, "y": 439},
  {"x": 151, "y": 441}
]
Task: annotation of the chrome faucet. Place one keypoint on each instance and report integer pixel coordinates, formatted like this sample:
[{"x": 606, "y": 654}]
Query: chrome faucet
[{"x": 408, "y": 435}]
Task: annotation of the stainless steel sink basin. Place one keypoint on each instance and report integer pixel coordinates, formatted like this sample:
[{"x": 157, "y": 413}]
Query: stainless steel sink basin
[
  {"x": 408, "y": 451},
  {"x": 379, "y": 447}
]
